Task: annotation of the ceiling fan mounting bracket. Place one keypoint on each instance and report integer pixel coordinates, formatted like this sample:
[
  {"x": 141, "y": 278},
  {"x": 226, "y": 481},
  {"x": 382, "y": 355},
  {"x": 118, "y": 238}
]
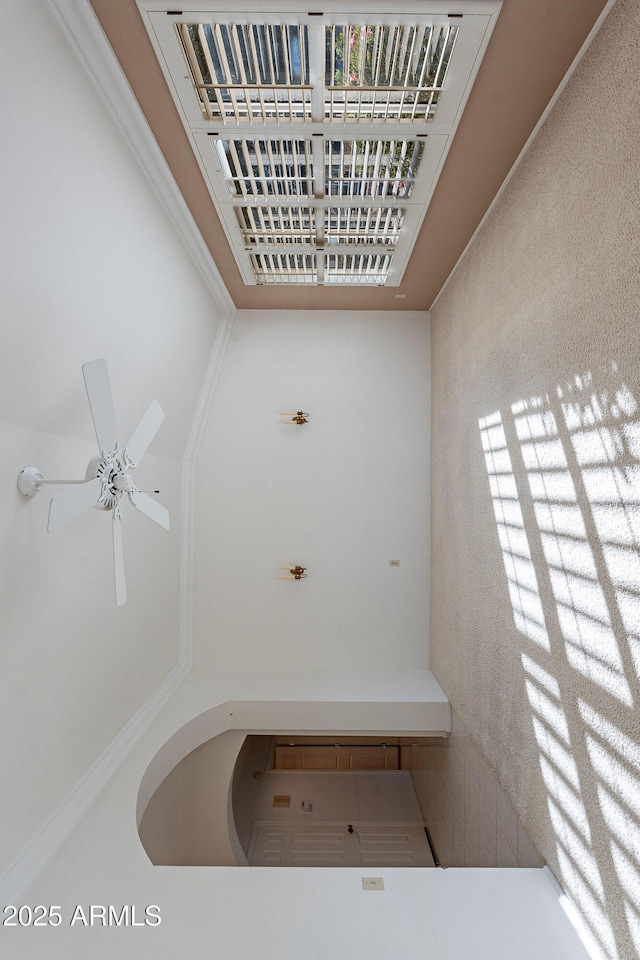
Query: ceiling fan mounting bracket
[{"x": 30, "y": 481}]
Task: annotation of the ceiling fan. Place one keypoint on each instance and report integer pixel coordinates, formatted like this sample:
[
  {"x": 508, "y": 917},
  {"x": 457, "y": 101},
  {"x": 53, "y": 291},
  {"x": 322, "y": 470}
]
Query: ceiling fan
[{"x": 108, "y": 475}]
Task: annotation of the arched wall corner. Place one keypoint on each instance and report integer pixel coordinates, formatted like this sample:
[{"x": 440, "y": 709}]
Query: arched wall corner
[
  {"x": 234, "y": 839},
  {"x": 405, "y": 718},
  {"x": 189, "y": 820},
  {"x": 204, "y": 727}
]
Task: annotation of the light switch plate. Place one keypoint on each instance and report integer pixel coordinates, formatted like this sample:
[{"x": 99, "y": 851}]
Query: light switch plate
[{"x": 372, "y": 883}]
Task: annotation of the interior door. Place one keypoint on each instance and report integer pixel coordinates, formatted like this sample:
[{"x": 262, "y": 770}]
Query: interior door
[{"x": 291, "y": 844}]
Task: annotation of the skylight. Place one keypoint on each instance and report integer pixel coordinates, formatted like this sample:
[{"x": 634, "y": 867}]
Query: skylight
[{"x": 321, "y": 134}]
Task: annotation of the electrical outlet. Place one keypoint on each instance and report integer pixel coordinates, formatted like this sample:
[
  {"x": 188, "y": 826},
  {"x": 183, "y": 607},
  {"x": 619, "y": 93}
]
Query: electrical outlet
[
  {"x": 372, "y": 883},
  {"x": 394, "y": 563}
]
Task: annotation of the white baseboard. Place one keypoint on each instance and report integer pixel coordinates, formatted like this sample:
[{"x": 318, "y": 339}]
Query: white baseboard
[{"x": 33, "y": 858}]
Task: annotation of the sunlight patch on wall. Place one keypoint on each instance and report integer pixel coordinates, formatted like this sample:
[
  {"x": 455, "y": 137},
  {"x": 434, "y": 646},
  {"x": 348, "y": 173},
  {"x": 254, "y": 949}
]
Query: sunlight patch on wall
[
  {"x": 629, "y": 877},
  {"x": 605, "y": 436},
  {"x": 614, "y": 757},
  {"x": 564, "y": 477},
  {"x": 582, "y": 609},
  {"x": 516, "y": 555},
  {"x": 567, "y": 813},
  {"x": 616, "y": 761}
]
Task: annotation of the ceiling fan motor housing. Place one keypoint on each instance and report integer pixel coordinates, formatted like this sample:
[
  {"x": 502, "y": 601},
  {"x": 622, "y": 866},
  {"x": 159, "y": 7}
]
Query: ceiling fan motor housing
[{"x": 111, "y": 472}]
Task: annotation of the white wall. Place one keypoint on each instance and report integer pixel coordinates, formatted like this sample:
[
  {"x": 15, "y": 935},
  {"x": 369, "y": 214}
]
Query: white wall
[
  {"x": 341, "y": 495},
  {"x": 236, "y": 912},
  {"x": 536, "y": 488},
  {"x": 189, "y": 820},
  {"x": 191, "y": 816},
  {"x": 90, "y": 267},
  {"x": 336, "y": 796},
  {"x": 403, "y": 703}
]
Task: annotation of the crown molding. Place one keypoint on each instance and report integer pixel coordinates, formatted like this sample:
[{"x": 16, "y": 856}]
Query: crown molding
[
  {"x": 88, "y": 42},
  {"x": 85, "y": 36}
]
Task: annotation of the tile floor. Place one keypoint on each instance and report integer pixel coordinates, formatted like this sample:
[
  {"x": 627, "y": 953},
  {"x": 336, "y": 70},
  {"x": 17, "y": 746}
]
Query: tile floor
[{"x": 470, "y": 819}]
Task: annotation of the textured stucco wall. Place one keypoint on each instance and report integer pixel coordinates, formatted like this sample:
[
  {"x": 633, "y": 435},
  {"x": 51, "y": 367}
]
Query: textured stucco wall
[{"x": 535, "y": 619}]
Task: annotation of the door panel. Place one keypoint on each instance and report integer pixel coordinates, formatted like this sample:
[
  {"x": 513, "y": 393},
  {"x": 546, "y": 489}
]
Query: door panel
[
  {"x": 393, "y": 845},
  {"x": 324, "y": 757},
  {"x": 332, "y": 845},
  {"x": 369, "y": 758}
]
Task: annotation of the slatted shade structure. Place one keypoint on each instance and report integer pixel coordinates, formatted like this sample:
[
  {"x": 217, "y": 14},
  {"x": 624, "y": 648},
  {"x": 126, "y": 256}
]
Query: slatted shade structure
[{"x": 317, "y": 131}]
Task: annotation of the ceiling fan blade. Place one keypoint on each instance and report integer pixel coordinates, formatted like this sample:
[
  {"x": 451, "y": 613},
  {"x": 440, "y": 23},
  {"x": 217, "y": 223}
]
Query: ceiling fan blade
[
  {"x": 118, "y": 560},
  {"x": 65, "y": 506},
  {"x": 144, "y": 434},
  {"x": 150, "y": 507},
  {"x": 96, "y": 379}
]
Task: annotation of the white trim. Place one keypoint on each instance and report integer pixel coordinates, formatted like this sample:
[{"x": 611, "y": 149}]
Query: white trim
[
  {"x": 235, "y": 182},
  {"x": 534, "y": 133},
  {"x": 34, "y": 857},
  {"x": 82, "y": 31},
  {"x": 377, "y": 8},
  {"x": 551, "y": 877},
  {"x": 188, "y": 485},
  {"x": 40, "y": 850}
]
